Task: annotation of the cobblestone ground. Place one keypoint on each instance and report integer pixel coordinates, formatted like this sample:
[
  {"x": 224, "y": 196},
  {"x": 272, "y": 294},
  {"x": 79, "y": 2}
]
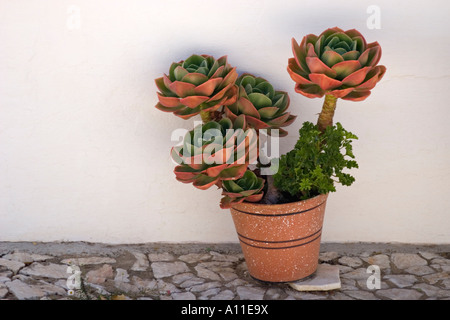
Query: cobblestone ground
[{"x": 207, "y": 272}]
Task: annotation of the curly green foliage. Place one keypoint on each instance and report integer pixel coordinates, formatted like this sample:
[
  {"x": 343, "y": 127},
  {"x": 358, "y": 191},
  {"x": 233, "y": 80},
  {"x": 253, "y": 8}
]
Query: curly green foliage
[{"x": 317, "y": 162}]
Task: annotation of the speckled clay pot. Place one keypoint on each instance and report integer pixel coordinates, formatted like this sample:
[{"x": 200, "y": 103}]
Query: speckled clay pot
[{"x": 280, "y": 242}]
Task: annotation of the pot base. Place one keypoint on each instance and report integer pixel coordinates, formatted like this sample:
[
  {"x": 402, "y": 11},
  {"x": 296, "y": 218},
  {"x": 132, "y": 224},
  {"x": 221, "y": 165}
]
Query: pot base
[{"x": 280, "y": 282}]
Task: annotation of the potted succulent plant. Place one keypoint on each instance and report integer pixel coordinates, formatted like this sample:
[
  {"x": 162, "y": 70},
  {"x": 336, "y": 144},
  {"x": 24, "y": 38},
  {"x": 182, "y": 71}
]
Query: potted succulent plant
[{"x": 279, "y": 213}]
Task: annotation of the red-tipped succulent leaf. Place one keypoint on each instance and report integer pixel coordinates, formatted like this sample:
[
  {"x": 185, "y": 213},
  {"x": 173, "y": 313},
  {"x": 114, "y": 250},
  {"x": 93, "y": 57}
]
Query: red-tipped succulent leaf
[
  {"x": 262, "y": 106},
  {"x": 199, "y": 83},
  {"x": 338, "y": 63},
  {"x": 215, "y": 152},
  {"x": 248, "y": 188}
]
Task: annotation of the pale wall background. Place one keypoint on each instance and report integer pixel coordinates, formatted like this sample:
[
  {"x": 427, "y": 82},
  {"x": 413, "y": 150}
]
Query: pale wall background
[{"x": 84, "y": 155}]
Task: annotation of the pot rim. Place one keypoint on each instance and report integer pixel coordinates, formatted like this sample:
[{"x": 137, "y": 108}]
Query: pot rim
[
  {"x": 278, "y": 210},
  {"x": 280, "y": 205}
]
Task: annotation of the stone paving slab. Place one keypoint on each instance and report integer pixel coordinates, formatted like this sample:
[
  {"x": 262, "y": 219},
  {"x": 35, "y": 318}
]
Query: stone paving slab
[
  {"x": 325, "y": 278},
  {"x": 157, "y": 271}
]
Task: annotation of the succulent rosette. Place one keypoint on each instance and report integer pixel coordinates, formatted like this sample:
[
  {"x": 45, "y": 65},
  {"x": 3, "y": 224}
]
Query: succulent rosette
[
  {"x": 214, "y": 152},
  {"x": 248, "y": 188},
  {"x": 199, "y": 83},
  {"x": 338, "y": 63},
  {"x": 262, "y": 106}
]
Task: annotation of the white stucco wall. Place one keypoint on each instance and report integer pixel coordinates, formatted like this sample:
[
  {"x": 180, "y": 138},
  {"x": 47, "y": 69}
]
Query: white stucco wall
[{"x": 84, "y": 155}]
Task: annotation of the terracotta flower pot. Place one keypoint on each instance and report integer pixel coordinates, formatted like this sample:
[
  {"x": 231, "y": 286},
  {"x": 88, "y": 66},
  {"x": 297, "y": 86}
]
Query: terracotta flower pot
[{"x": 281, "y": 242}]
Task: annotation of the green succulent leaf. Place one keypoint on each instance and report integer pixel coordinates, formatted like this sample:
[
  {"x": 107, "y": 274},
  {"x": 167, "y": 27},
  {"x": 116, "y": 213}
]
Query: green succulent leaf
[
  {"x": 193, "y": 61},
  {"x": 204, "y": 180},
  {"x": 249, "y": 179},
  {"x": 162, "y": 87},
  {"x": 266, "y": 88},
  {"x": 211, "y": 125},
  {"x": 248, "y": 88},
  {"x": 260, "y": 100},
  {"x": 232, "y": 186},
  {"x": 358, "y": 44},
  {"x": 331, "y": 57},
  {"x": 268, "y": 112},
  {"x": 333, "y": 42},
  {"x": 213, "y": 69},
  {"x": 343, "y": 45},
  {"x": 179, "y": 73},
  {"x": 232, "y": 172},
  {"x": 225, "y": 124},
  {"x": 351, "y": 55},
  {"x": 202, "y": 70},
  {"x": 240, "y": 122},
  {"x": 248, "y": 81},
  {"x": 195, "y": 78},
  {"x": 172, "y": 68},
  {"x": 341, "y": 51}
]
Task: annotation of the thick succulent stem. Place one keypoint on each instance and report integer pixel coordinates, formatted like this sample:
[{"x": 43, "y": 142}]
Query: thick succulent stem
[
  {"x": 326, "y": 116},
  {"x": 206, "y": 116},
  {"x": 272, "y": 195}
]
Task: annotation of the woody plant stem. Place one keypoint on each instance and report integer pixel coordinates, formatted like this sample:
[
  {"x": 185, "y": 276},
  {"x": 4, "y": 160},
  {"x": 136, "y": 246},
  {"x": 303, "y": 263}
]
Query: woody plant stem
[
  {"x": 206, "y": 116},
  {"x": 326, "y": 115}
]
